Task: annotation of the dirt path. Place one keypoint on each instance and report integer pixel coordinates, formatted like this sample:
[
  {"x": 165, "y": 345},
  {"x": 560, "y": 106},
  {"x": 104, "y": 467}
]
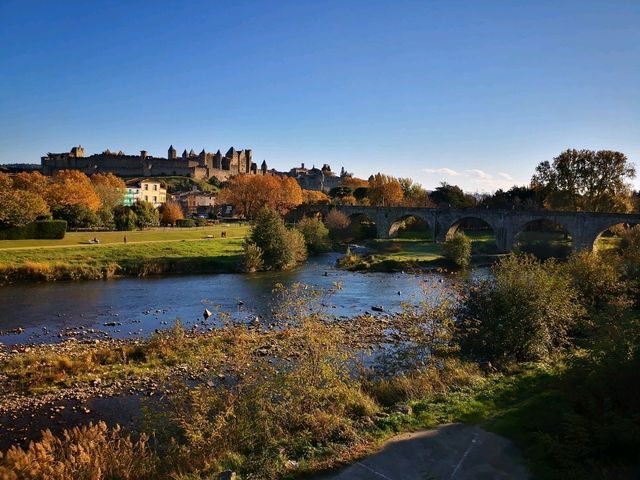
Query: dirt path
[{"x": 449, "y": 452}]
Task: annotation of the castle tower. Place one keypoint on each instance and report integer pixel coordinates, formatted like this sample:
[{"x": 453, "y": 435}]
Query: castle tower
[
  {"x": 184, "y": 154},
  {"x": 172, "y": 154},
  {"x": 263, "y": 167}
]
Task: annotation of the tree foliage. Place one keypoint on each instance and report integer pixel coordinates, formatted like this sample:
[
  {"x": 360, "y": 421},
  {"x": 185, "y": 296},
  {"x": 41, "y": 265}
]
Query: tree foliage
[
  {"x": 316, "y": 234},
  {"x": 72, "y": 187},
  {"x": 249, "y": 193},
  {"x": 109, "y": 188},
  {"x": 385, "y": 190},
  {"x": 452, "y": 196},
  {"x": 527, "y": 313},
  {"x": 315, "y": 197},
  {"x": 457, "y": 250},
  {"x": 20, "y": 207},
  {"x": 281, "y": 248},
  {"x": 146, "y": 214},
  {"x": 171, "y": 213},
  {"x": 586, "y": 180}
]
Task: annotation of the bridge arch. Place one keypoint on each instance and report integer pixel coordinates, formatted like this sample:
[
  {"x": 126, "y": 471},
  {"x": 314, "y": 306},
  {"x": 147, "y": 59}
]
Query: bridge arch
[
  {"x": 472, "y": 222},
  {"x": 545, "y": 237},
  {"x": 412, "y": 221},
  {"x": 363, "y": 226},
  {"x": 610, "y": 228}
]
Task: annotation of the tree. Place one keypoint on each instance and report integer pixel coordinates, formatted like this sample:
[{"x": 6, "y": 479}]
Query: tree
[
  {"x": 280, "y": 247},
  {"x": 385, "y": 190},
  {"x": 124, "y": 218},
  {"x": 72, "y": 187},
  {"x": 414, "y": 194},
  {"x": 20, "y": 207},
  {"x": 289, "y": 194},
  {"x": 316, "y": 235},
  {"x": 515, "y": 198},
  {"x": 586, "y": 180},
  {"x": 146, "y": 214},
  {"x": 451, "y": 196},
  {"x": 353, "y": 182},
  {"x": 31, "y": 181},
  {"x": 77, "y": 216},
  {"x": 314, "y": 197},
  {"x": 171, "y": 213},
  {"x": 110, "y": 189},
  {"x": 249, "y": 193}
]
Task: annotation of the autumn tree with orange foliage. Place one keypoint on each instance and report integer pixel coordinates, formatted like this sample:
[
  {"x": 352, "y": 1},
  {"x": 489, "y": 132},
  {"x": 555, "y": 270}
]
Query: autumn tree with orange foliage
[
  {"x": 19, "y": 207},
  {"x": 314, "y": 197},
  {"x": 109, "y": 188},
  {"x": 249, "y": 193},
  {"x": 71, "y": 188},
  {"x": 385, "y": 190},
  {"x": 33, "y": 182},
  {"x": 171, "y": 213},
  {"x": 353, "y": 182}
]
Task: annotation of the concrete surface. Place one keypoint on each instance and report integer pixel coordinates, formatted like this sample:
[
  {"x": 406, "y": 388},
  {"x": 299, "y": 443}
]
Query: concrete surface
[{"x": 449, "y": 452}]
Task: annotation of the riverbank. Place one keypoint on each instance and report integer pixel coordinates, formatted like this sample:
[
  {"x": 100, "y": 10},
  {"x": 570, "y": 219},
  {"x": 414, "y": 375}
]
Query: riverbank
[{"x": 144, "y": 254}]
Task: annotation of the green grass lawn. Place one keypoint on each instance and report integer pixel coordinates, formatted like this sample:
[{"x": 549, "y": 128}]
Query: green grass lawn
[
  {"x": 149, "y": 252},
  {"x": 149, "y": 235}
]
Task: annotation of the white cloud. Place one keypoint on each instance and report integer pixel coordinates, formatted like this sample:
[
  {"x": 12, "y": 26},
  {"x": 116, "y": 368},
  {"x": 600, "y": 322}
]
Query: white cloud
[
  {"x": 477, "y": 173},
  {"x": 444, "y": 171},
  {"x": 471, "y": 180}
]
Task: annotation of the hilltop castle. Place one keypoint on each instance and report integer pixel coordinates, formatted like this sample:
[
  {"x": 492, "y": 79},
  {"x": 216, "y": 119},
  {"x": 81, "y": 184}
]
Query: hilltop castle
[{"x": 203, "y": 165}]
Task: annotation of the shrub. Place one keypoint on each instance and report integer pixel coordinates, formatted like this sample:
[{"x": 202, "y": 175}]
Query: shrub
[
  {"x": 90, "y": 452},
  {"x": 457, "y": 250},
  {"x": 316, "y": 235},
  {"x": 526, "y": 314},
  {"x": 44, "y": 229},
  {"x": 252, "y": 261},
  {"x": 186, "y": 223},
  {"x": 200, "y": 222},
  {"x": 281, "y": 248}
]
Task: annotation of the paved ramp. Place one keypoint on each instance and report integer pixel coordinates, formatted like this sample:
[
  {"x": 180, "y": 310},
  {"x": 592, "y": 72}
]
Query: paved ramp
[{"x": 449, "y": 452}]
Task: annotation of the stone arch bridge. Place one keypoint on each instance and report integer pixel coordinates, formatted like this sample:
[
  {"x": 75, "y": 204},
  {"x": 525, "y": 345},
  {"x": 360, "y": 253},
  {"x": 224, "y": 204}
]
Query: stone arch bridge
[{"x": 584, "y": 227}]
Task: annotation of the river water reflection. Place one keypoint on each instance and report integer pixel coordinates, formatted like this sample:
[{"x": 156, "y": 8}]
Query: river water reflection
[{"x": 137, "y": 306}]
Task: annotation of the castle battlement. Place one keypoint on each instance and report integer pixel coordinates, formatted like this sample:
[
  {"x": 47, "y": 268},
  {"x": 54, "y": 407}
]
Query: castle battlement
[{"x": 203, "y": 165}]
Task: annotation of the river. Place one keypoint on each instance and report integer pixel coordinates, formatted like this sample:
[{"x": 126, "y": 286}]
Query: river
[{"x": 136, "y": 307}]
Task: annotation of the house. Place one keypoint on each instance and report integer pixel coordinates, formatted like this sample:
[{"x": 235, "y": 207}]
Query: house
[
  {"x": 196, "y": 202},
  {"x": 150, "y": 191}
]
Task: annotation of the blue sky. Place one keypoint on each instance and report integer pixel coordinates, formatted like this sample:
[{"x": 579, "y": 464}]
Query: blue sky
[{"x": 474, "y": 93}]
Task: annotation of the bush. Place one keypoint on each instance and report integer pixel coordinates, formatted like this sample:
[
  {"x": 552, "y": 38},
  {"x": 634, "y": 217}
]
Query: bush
[
  {"x": 457, "y": 250},
  {"x": 281, "y": 248},
  {"x": 252, "y": 261},
  {"x": 526, "y": 314},
  {"x": 94, "y": 451},
  {"x": 200, "y": 222},
  {"x": 42, "y": 229},
  {"x": 185, "y": 223},
  {"x": 316, "y": 235}
]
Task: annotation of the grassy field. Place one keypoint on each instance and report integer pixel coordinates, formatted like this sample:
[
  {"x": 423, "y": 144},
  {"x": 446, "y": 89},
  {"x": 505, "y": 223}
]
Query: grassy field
[
  {"x": 150, "y": 235},
  {"x": 151, "y": 252}
]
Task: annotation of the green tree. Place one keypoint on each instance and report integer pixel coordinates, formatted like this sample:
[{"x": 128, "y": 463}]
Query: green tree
[
  {"x": 124, "y": 218},
  {"x": 526, "y": 313},
  {"x": 457, "y": 250},
  {"x": 587, "y": 180},
  {"x": 20, "y": 207},
  {"x": 281, "y": 247},
  {"x": 316, "y": 235},
  {"x": 451, "y": 196},
  {"x": 146, "y": 214},
  {"x": 77, "y": 215}
]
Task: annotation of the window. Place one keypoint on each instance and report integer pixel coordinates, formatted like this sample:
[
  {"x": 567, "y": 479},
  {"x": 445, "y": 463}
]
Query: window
[
  {"x": 146, "y": 198},
  {"x": 155, "y": 199},
  {"x": 155, "y": 187},
  {"x": 146, "y": 186}
]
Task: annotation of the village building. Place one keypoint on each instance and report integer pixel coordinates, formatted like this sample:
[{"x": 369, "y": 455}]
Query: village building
[{"x": 145, "y": 190}]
